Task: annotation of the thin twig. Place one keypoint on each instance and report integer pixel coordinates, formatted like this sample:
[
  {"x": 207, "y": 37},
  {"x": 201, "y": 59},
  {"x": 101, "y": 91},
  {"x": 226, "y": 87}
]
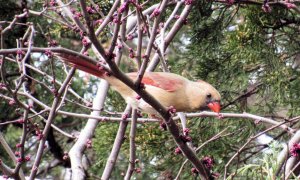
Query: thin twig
[
  {"x": 132, "y": 157},
  {"x": 215, "y": 137},
  {"x": 51, "y": 117},
  {"x": 248, "y": 141},
  {"x": 111, "y": 160}
]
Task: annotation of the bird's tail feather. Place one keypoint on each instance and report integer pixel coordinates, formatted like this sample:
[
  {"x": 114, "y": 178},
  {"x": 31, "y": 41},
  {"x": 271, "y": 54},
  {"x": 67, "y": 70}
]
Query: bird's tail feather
[
  {"x": 82, "y": 64},
  {"x": 90, "y": 66}
]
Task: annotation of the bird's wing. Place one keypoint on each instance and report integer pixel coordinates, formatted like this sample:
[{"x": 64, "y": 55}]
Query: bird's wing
[{"x": 166, "y": 81}]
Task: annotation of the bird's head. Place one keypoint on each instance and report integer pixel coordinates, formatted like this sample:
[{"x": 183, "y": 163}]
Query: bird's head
[
  {"x": 213, "y": 101},
  {"x": 205, "y": 96}
]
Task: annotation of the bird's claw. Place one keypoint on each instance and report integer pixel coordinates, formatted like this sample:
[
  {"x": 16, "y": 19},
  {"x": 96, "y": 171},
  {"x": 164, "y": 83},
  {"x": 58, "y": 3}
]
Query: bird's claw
[{"x": 220, "y": 116}]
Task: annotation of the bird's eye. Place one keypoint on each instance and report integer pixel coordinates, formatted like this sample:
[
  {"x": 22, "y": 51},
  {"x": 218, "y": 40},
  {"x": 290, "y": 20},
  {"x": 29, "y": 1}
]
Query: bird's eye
[{"x": 208, "y": 96}]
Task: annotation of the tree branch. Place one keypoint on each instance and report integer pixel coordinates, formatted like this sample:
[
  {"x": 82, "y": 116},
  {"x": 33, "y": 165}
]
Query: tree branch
[
  {"x": 51, "y": 117},
  {"x": 111, "y": 160},
  {"x": 132, "y": 157}
]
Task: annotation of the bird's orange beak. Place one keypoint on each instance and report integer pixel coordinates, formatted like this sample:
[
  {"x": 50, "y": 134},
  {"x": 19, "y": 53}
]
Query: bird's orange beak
[{"x": 214, "y": 106}]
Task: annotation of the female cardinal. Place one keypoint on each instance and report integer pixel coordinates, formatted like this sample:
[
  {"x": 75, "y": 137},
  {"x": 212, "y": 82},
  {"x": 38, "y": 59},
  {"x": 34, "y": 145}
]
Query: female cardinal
[{"x": 171, "y": 90}]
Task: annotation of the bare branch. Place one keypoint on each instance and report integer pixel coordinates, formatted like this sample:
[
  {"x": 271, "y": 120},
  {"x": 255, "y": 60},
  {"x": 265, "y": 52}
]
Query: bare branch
[
  {"x": 215, "y": 137},
  {"x": 51, "y": 117},
  {"x": 86, "y": 134},
  {"x": 132, "y": 158},
  {"x": 111, "y": 160}
]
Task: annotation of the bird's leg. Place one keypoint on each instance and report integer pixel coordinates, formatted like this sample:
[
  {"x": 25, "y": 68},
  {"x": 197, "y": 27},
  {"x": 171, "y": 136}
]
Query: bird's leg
[
  {"x": 183, "y": 121},
  {"x": 162, "y": 124}
]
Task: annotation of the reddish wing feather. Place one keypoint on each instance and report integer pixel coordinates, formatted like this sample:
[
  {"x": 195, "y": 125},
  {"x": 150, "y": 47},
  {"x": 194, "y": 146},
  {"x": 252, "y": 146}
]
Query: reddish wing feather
[{"x": 164, "y": 81}]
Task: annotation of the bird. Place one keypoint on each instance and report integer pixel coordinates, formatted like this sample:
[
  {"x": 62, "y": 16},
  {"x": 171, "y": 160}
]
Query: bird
[{"x": 170, "y": 89}]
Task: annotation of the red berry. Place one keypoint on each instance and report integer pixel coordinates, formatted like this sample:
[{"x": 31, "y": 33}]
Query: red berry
[
  {"x": 85, "y": 41},
  {"x": 66, "y": 156},
  {"x": 89, "y": 143},
  {"x": 194, "y": 171},
  {"x": 52, "y": 3},
  {"x": 21, "y": 121},
  {"x": 40, "y": 136},
  {"x": 131, "y": 55},
  {"x": 99, "y": 21},
  {"x": 129, "y": 37},
  {"x": 163, "y": 126},
  {"x": 124, "y": 116},
  {"x": 19, "y": 160},
  {"x": 12, "y": 102},
  {"x": 172, "y": 110},
  {"x": 188, "y": 2},
  {"x": 138, "y": 170},
  {"x": 208, "y": 162},
  {"x": 90, "y": 10},
  {"x": 19, "y": 145},
  {"x": 178, "y": 150},
  {"x": 122, "y": 8},
  {"x": 155, "y": 13},
  {"x": 27, "y": 158},
  {"x": 17, "y": 153},
  {"x": 138, "y": 97}
]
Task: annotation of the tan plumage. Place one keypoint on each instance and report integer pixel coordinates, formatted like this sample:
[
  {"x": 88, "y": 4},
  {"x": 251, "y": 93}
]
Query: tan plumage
[
  {"x": 186, "y": 96},
  {"x": 168, "y": 88}
]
